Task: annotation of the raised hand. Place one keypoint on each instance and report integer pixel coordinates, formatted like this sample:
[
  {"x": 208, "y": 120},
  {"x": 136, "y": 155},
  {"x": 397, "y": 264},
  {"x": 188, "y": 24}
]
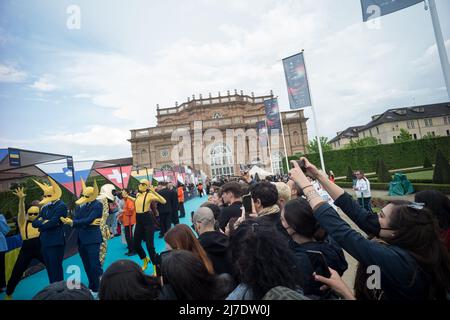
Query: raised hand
[
  {"x": 311, "y": 169},
  {"x": 20, "y": 192}
]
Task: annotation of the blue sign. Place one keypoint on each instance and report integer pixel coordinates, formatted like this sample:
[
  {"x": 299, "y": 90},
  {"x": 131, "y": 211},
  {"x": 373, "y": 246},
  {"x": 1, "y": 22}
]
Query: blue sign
[
  {"x": 297, "y": 81},
  {"x": 272, "y": 114},
  {"x": 372, "y": 9},
  {"x": 14, "y": 158}
]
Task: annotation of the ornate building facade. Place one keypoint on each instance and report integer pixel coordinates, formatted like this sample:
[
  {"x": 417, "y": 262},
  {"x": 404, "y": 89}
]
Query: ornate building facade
[{"x": 153, "y": 147}]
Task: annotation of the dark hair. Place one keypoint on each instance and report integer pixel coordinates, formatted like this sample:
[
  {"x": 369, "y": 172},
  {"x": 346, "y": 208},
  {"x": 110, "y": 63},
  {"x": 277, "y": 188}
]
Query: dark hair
[
  {"x": 125, "y": 280},
  {"x": 60, "y": 291},
  {"x": 299, "y": 215},
  {"x": 187, "y": 277},
  {"x": 438, "y": 203},
  {"x": 266, "y": 192},
  {"x": 252, "y": 246},
  {"x": 233, "y": 187},
  {"x": 417, "y": 231}
]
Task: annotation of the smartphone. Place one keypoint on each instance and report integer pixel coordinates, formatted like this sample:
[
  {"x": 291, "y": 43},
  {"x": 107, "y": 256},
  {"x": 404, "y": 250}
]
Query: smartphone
[
  {"x": 247, "y": 203},
  {"x": 301, "y": 164},
  {"x": 319, "y": 263}
]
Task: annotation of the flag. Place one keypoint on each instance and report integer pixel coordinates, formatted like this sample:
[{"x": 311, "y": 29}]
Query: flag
[
  {"x": 376, "y": 8},
  {"x": 263, "y": 137},
  {"x": 60, "y": 172},
  {"x": 141, "y": 174},
  {"x": 297, "y": 81},
  {"x": 158, "y": 175},
  {"x": 113, "y": 175},
  {"x": 169, "y": 176},
  {"x": 272, "y": 114}
]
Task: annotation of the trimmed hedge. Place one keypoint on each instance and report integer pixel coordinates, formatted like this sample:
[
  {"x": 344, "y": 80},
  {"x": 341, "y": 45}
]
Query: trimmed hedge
[
  {"x": 444, "y": 188},
  {"x": 395, "y": 155}
]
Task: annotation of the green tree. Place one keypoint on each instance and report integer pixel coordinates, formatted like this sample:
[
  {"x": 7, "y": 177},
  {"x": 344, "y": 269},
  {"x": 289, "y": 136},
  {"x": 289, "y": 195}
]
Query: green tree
[
  {"x": 383, "y": 173},
  {"x": 441, "y": 174},
  {"x": 427, "y": 163},
  {"x": 313, "y": 147},
  {"x": 363, "y": 142},
  {"x": 349, "y": 174},
  {"x": 404, "y": 136}
]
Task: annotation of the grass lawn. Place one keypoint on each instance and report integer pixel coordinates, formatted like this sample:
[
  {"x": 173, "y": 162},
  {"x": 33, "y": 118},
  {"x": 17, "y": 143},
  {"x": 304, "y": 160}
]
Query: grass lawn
[{"x": 421, "y": 175}]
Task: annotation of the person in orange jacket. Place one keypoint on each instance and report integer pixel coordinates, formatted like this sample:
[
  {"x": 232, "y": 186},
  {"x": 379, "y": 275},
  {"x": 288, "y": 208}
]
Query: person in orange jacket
[
  {"x": 128, "y": 220},
  {"x": 180, "y": 191}
]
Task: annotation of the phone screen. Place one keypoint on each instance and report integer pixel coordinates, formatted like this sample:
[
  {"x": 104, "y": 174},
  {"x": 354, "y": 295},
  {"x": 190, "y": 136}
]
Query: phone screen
[
  {"x": 319, "y": 264},
  {"x": 247, "y": 203}
]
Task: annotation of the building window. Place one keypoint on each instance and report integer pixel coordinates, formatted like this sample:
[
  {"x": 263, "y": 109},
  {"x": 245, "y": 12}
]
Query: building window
[
  {"x": 447, "y": 120},
  {"x": 433, "y": 134},
  {"x": 415, "y": 136},
  {"x": 378, "y": 131},
  {"x": 448, "y": 132},
  {"x": 277, "y": 161},
  {"x": 217, "y": 115},
  {"x": 379, "y": 141},
  {"x": 410, "y": 124},
  {"x": 370, "y": 132},
  {"x": 295, "y": 138},
  {"x": 428, "y": 122},
  {"x": 221, "y": 160},
  {"x": 143, "y": 156}
]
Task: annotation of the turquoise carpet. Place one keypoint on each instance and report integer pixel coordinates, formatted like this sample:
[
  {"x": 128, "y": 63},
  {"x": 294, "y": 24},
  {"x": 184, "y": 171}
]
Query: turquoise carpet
[{"x": 31, "y": 285}]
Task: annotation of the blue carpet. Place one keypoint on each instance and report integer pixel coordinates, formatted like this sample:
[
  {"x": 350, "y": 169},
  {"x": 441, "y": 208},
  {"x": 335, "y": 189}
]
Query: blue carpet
[{"x": 31, "y": 285}]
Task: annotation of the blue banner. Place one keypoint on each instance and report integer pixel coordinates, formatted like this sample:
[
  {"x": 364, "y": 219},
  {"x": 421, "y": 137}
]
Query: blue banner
[
  {"x": 372, "y": 9},
  {"x": 14, "y": 158},
  {"x": 272, "y": 114},
  {"x": 297, "y": 81}
]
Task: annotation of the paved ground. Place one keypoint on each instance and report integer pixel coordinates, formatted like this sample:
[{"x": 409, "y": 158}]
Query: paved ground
[{"x": 383, "y": 194}]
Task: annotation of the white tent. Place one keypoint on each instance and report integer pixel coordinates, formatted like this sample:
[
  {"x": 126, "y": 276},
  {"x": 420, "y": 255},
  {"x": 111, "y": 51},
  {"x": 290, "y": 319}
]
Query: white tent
[{"x": 261, "y": 172}]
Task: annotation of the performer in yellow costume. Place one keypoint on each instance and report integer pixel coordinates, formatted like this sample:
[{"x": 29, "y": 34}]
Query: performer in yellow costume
[
  {"x": 31, "y": 246},
  {"x": 145, "y": 222}
]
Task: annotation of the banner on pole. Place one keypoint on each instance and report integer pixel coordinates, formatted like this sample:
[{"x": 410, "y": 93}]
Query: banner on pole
[
  {"x": 61, "y": 173},
  {"x": 113, "y": 175},
  {"x": 158, "y": 175},
  {"x": 263, "y": 137},
  {"x": 372, "y": 9},
  {"x": 272, "y": 114},
  {"x": 297, "y": 81}
]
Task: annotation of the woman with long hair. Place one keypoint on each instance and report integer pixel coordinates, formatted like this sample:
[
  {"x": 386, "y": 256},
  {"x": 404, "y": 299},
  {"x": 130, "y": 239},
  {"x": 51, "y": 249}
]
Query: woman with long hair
[
  {"x": 125, "y": 280},
  {"x": 181, "y": 237},
  {"x": 409, "y": 258}
]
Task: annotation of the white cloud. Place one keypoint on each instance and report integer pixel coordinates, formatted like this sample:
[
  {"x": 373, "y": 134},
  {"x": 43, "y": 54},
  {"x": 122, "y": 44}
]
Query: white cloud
[
  {"x": 43, "y": 84},
  {"x": 97, "y": 135},
  {"x": 9, "y": 73},
  {"x": 430, "y": 58}
]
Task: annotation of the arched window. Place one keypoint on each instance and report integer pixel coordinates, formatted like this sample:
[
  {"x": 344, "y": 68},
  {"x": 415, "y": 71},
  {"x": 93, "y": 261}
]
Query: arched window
[
  {"x": 221, "y": 160},
  {"x": 277, "y": 162},
  {"x": 166, "y": 167}
]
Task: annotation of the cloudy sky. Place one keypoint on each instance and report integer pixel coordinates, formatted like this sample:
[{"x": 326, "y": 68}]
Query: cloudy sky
[{"x": 79, "y": 91}]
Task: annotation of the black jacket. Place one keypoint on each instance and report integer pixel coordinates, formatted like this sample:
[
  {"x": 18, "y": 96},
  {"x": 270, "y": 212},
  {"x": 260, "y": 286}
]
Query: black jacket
[
  {"x": 168, "y": 206},
  {"x": 232, "y": 211},
  {"x": 216, "y": 245},
  {"x": 334, "y": 256}
]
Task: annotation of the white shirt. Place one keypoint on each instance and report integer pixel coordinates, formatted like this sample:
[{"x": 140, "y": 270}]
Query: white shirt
[{"x": 362, "y": 187}]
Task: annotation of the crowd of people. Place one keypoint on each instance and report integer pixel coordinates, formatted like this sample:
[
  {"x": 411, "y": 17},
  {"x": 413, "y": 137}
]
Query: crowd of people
[{"x": 290, "y": 245}]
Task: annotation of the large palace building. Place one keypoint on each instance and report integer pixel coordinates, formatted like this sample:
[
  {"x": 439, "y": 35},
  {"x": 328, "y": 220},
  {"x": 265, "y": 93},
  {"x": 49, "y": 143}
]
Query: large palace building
[{"x": 152, "y": 147}]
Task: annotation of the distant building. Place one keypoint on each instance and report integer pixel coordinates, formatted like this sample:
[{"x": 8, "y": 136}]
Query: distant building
[
  {"x": 152, "y": 147},
  {"x": 419, "y": 121}
]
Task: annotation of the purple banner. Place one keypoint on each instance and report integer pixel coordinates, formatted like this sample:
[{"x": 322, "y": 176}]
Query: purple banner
[
  {"x": 272, "y": 114},
  {"x": 297, "y": 81}
]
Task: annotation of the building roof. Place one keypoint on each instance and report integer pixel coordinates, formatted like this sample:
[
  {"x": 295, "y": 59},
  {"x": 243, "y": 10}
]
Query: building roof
[
  {"x": 409, "y": 113},
  {"x": 398, "y": 114},
  {"x": 350, "y": 132}
]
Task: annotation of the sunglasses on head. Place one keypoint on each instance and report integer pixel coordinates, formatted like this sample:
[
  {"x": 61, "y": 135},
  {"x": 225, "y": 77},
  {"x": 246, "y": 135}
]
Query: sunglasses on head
[
  {"x": 47, "y": 196},
  {"x": 33, "y": 214}
]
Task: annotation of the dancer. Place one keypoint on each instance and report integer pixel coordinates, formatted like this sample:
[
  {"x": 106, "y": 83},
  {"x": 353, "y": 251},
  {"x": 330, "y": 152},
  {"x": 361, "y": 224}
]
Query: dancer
[
  {"x": 106, "y": 196},
  {"x": 89, "y": 211},
  {"x": 145, "y": 222},
  {"x": 51, "y": 229},
  {"x": 31, "y": 245},
  {"x": 128, "y": 220}
]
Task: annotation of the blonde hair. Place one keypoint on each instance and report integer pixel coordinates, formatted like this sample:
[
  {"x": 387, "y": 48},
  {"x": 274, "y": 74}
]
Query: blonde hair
[{"x": 284, "y": 191}]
